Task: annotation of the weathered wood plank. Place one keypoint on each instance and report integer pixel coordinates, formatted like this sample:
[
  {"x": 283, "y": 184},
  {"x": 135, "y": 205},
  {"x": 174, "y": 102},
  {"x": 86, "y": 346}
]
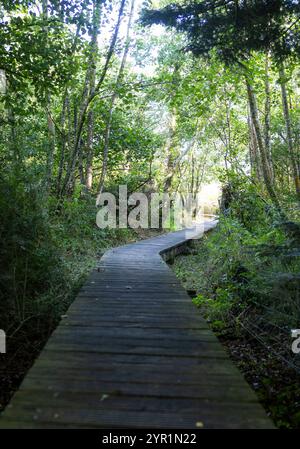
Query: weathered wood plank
[{"x": 213, "y": 418}]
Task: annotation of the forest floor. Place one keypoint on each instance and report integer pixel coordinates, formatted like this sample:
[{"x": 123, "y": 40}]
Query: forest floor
[
  {"x": 276, "y": 386},
  {"x": 275, "y": 383}
]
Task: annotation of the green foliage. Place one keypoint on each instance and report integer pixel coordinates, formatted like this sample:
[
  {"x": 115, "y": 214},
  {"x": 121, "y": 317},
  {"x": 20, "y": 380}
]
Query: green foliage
[
  {"x": 31, "y": 55},
  {"x": 246, "y": 278},
  {"x": 245, "y": 263},
  {"x": 175, "y": 123},
  {"x": 45, "y": 255},
  {"x": 31, "y": 265},
  {"x": 243, "y": 202}
]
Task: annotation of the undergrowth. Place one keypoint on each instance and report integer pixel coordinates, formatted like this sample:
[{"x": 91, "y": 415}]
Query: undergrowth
[
  {"x": 46, "y": 254},
  {"x": 244, "y": 277}
]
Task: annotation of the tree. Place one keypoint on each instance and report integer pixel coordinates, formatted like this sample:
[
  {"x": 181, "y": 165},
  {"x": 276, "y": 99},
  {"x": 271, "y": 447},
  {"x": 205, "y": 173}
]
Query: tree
[
  {"x": 233, "y": 27},
  {"x": 235, "y": 30}
]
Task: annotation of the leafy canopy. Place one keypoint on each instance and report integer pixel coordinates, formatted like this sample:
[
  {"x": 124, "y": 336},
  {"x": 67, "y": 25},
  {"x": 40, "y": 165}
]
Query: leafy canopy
[{"x": 233, "y": 27}]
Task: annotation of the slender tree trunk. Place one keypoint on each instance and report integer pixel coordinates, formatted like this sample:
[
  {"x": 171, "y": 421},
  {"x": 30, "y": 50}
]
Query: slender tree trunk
[
  {"x": 260, "y": 143},
  {"x": 14, "y": 144},
  {"x": 200, "y": 174},
  {"x": 89, "y": 99},
  {"x": 267, "y": 123},
  {"x": 66, "y": 121},
  {"x": 288, "y": 128},
  {"x": 80, "y": 166},
  {"x": 193, "y": 173},
  {"x": 64, "y": 142},
  {"x": 50, "y": 123},
  {"x": 90, "y": 116},
  {"x": 51, "y": 147},
  {"x": 90, "y": 151},
  {"x": 255, "y": 162},
  {"x": 89, "y": 90},
  {"x": 252, "y": 152},
  {"x": 170, "y": 151},
  {"x": 113, "y": 99},
  {"x": 73, "y": 121},
  {"x": 227, "y": 138}
]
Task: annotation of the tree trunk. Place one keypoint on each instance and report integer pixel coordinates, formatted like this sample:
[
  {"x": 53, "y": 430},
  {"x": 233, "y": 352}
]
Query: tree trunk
[
  {"x": 288, "y": 128},
  {"x": 65, "y": 111},
  {"x": 113, "y": 99},
  {"x": 88, "y": 100},
  {"x": 80, "y": 166},
  {"x": 89, "y": 151},
  {"x": 268, "y": 117},
  {"x": 255, "y": 162},
  {"x": 51, "y": 147},
  {"x": 171, "y": 156},
  {"x": 91, "y": 88},
  {"x": 50, "y": 123},
  {"x": 260, "y": 143}
]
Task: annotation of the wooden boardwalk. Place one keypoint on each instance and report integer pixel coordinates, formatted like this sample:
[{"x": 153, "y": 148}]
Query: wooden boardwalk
[{"x": 133, "y": 352}]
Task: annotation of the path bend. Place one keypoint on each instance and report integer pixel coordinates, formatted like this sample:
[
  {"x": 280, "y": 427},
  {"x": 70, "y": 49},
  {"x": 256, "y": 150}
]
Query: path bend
[{"x": 133, "y": 352}]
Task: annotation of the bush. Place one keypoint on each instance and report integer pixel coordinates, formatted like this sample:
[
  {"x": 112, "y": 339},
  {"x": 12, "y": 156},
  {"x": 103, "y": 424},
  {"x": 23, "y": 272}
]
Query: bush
[
  {"x": 28, "y": 253},
  {"x": 242, "y": 201},
  {"x": 247, "y": 283},
  {"x": 251, "y": 261},
  {"x": 45, "y": 255}
]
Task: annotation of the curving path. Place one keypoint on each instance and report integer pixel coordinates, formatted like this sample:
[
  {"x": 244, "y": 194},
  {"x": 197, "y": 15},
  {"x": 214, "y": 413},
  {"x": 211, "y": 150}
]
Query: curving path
[{"x": 133, "y": 352}]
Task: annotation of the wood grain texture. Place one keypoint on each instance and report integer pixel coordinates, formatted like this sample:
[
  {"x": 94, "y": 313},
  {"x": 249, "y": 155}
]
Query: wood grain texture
[{"x": 133, "y": 352}]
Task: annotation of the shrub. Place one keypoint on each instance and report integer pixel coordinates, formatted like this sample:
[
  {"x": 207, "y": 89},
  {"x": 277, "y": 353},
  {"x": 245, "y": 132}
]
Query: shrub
[{"x": 28, "y": 253}]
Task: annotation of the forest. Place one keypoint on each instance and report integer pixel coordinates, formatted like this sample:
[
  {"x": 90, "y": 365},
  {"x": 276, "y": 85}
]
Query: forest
[{"x": 161, "y": 96}]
